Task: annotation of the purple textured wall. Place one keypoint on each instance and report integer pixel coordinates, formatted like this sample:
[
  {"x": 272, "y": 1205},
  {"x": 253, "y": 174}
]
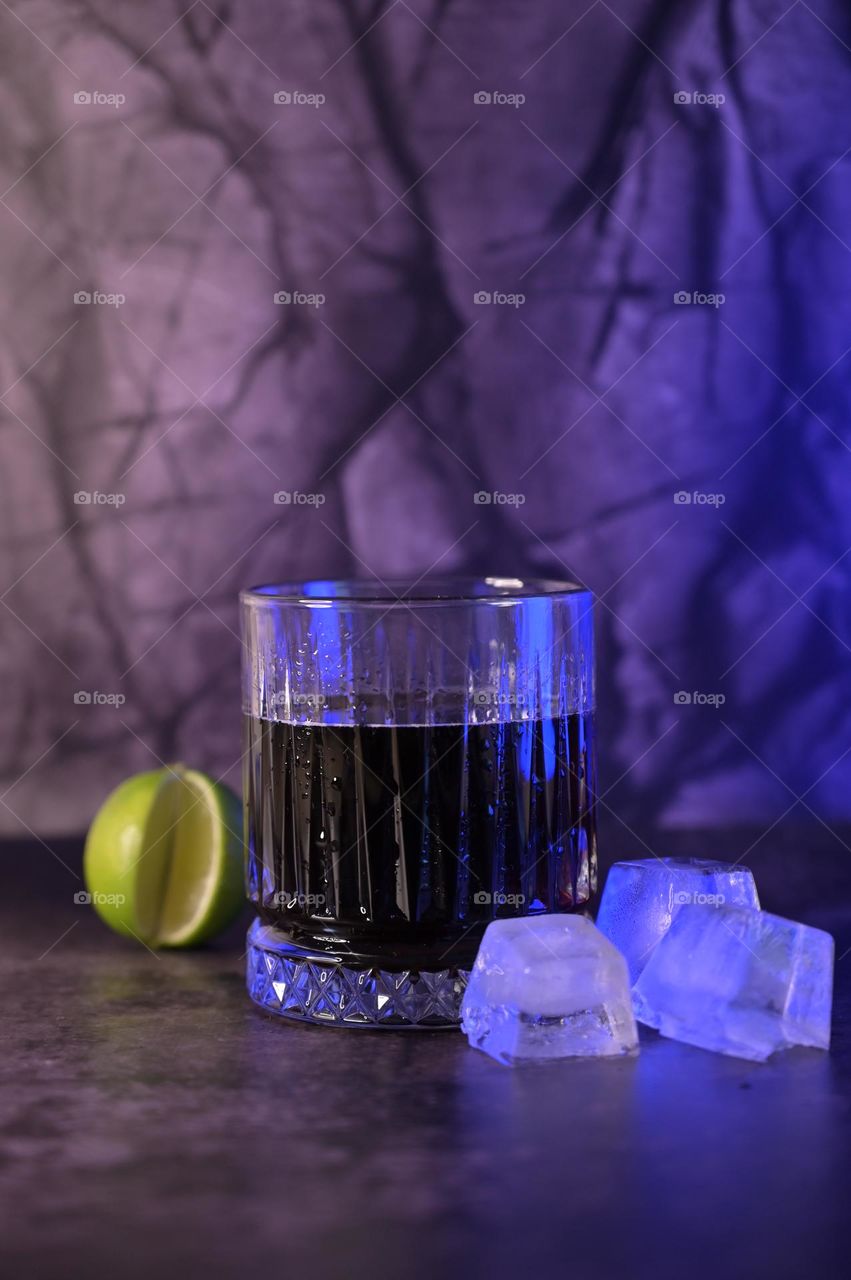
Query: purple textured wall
[{"x": 584, "y": 168}]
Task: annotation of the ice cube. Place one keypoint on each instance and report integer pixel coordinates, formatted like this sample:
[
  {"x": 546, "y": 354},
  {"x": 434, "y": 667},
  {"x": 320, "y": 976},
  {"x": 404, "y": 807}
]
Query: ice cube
[
  {"x": 642, "y": 897},
  {"x": 548, "y": 986},
  {"x": 739, "y": 981}
]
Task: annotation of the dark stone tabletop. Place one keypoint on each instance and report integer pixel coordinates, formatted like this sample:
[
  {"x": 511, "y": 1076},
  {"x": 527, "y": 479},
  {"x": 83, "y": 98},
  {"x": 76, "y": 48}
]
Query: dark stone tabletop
[{"x": 155, "y": 1124}]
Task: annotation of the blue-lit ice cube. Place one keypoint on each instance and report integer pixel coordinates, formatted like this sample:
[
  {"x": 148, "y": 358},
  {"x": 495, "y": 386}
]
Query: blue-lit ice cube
[
  {"x": 642, "y": 897},
  {"x": 739, "y": 981},
  {"x": 548, "y": 987}
]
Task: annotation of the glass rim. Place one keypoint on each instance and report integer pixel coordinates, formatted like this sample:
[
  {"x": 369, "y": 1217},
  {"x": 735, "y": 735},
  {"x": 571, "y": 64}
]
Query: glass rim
[{"x": 449, "y": 590}]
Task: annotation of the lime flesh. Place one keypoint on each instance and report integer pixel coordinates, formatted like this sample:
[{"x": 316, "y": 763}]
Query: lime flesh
[{"x": 163, "y": 858}]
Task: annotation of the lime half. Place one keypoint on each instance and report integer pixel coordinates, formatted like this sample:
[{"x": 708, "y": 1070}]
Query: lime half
[{"x": 163, "y": 858}]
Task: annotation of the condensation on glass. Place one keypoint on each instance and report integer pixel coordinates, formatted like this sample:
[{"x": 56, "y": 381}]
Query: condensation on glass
[{"x": 419, "y": 760}]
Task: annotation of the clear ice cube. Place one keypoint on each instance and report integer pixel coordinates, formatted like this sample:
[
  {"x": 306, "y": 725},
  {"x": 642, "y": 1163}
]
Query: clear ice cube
[
  {"x": 545, "y": 987},
  {"x": 642, "y": 897},
  {"x": 739, "y": 981}
]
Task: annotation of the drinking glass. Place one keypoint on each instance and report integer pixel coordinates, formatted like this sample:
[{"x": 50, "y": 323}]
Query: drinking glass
[{"x": 419, "y": 761}]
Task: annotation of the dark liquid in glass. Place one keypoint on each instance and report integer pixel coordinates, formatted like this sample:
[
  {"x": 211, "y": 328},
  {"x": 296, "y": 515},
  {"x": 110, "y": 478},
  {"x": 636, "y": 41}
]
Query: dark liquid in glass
[{"x": 395, "y": 846}]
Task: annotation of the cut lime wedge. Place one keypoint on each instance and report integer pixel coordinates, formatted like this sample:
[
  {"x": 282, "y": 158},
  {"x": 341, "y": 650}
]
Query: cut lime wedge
[{"x": 163, "y": 858}]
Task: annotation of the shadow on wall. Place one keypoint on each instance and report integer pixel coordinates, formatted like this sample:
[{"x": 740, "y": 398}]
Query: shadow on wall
[{"x": 417, "y": 287}]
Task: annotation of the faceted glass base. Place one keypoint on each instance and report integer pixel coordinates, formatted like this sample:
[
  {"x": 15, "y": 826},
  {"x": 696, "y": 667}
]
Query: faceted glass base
[{"x": 285, "y": 980}]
